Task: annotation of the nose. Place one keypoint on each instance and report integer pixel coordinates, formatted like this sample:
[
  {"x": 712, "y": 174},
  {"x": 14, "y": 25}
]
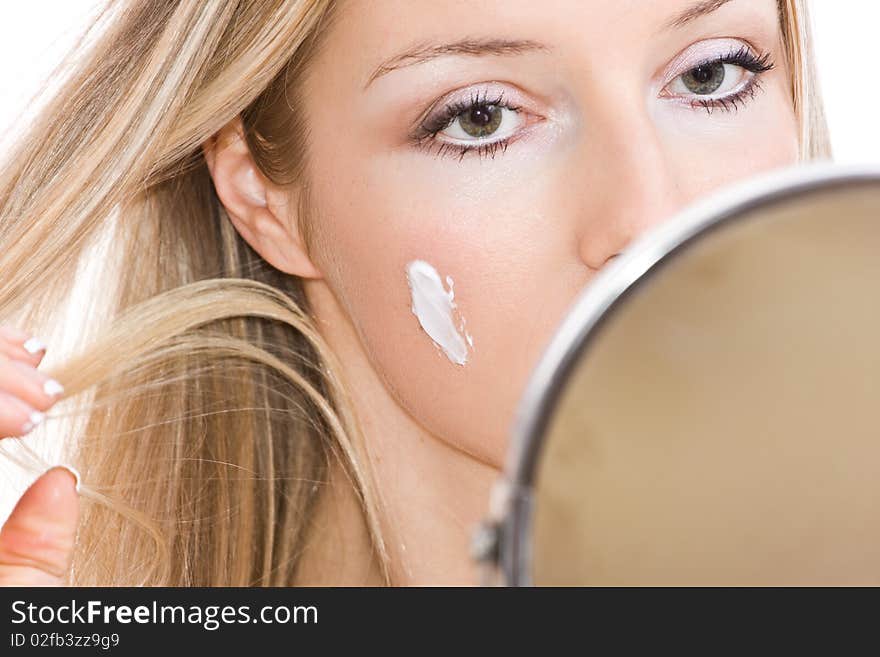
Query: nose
[{"x": 634, "y": 187}]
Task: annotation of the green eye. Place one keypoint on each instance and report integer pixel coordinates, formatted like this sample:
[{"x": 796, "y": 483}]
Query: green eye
[
  {"x": 704, "y": 79},
  {"x": 481, "y": 120}
]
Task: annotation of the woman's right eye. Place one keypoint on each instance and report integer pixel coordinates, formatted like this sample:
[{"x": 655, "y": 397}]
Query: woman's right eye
[
  {"x": 482, "y": 120},
  {"x": 479, "y": 124}
]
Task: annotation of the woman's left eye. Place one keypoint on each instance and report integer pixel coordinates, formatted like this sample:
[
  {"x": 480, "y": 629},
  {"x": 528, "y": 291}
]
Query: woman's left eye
[
  {"x": 716, "y": 77},
  {"x": 481, "y": 125},
  {"x": 723, "y": 81}
]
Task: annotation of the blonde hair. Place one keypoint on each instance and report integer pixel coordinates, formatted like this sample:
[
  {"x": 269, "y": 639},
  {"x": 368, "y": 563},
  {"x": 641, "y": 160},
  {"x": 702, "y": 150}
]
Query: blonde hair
[
  {"x": 796, "y": 28},
  {"x": 209, "y": 407}
]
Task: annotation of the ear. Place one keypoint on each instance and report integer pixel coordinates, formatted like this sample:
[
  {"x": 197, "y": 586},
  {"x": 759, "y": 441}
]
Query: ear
[{"x": 261, "y": 212}]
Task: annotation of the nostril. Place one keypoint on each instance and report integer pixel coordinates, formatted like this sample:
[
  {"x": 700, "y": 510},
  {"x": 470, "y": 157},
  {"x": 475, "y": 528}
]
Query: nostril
[
  {"x": 610, "y": 258},
  {"x": 601, "y": 266}
]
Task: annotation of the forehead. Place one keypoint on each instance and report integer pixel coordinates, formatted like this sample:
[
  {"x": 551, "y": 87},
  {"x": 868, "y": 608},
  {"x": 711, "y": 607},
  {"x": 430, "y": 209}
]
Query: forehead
[{"x": 368, "y": 33}]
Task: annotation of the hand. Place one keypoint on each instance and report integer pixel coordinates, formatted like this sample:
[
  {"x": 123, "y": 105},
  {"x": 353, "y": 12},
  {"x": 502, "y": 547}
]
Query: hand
[{"x": 36, "y": 541}]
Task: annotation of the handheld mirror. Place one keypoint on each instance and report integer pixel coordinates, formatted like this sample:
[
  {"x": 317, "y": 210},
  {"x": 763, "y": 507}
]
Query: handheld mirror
[{"x": 708, "y": 412}]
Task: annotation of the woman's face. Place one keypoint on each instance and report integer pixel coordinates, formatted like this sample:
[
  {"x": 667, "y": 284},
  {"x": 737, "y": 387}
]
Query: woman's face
[{"x": 585, "y": 123}]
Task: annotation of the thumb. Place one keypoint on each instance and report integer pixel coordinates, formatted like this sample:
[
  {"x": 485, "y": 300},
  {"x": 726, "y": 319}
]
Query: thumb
[{"x": 36, "y": 542}]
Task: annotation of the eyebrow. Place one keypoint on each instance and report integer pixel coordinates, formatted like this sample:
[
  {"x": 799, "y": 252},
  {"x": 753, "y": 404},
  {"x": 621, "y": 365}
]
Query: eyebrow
[
  {"x": 481, "y": 47},
  {"x": 696, "y": 11},
  {"x": 468, "y": 46}
]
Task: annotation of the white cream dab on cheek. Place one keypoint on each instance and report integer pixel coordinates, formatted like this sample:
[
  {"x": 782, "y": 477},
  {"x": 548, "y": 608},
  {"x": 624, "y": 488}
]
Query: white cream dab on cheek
[{"x": 435, "y": 309}]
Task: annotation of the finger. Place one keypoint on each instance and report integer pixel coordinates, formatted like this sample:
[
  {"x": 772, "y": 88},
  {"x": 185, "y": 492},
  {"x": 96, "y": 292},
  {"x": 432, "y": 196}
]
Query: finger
[
  {"x": 17, "y": 345},
  {"x": 37, "y": 540},
  {"x": 29, "y": 384},
  {"x": 16, "y": 417}
]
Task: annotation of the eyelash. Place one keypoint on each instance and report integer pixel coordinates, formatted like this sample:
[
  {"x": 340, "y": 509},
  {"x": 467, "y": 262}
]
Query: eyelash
[
  {"x": 428, "y": 130},
  {"x": 425, "y": 135},
  {"x": 745, "y": 58}
]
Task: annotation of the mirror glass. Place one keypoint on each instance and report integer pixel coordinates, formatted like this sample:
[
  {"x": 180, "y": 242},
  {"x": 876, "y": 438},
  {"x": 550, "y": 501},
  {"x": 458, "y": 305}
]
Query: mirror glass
[{"x": 721, "y": 424}]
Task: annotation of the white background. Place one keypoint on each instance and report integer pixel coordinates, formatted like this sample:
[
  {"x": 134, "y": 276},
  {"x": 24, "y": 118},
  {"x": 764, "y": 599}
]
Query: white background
[{"x": 35, "y": 33}]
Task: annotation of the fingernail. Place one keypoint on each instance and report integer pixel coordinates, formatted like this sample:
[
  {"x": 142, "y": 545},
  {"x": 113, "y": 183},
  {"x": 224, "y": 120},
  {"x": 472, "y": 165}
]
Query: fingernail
[
  {"x": 34, "y": 346},
  {"x": 33, "y": 420},
  {"x": 52, "y": 388},
  {"x": 72, "y": 471}
]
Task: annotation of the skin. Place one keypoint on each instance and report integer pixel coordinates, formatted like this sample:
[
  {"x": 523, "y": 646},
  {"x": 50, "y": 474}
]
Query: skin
[
  {"x": 601, "y": 153},
  {"x": 36, "y": 541}
]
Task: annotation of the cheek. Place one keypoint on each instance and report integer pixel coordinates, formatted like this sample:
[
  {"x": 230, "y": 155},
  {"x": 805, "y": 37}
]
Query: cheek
[
  {"x": 726, "y": 147},
  {"x": 769, "y": 141},
  {"x": 511, "y": 279}
]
